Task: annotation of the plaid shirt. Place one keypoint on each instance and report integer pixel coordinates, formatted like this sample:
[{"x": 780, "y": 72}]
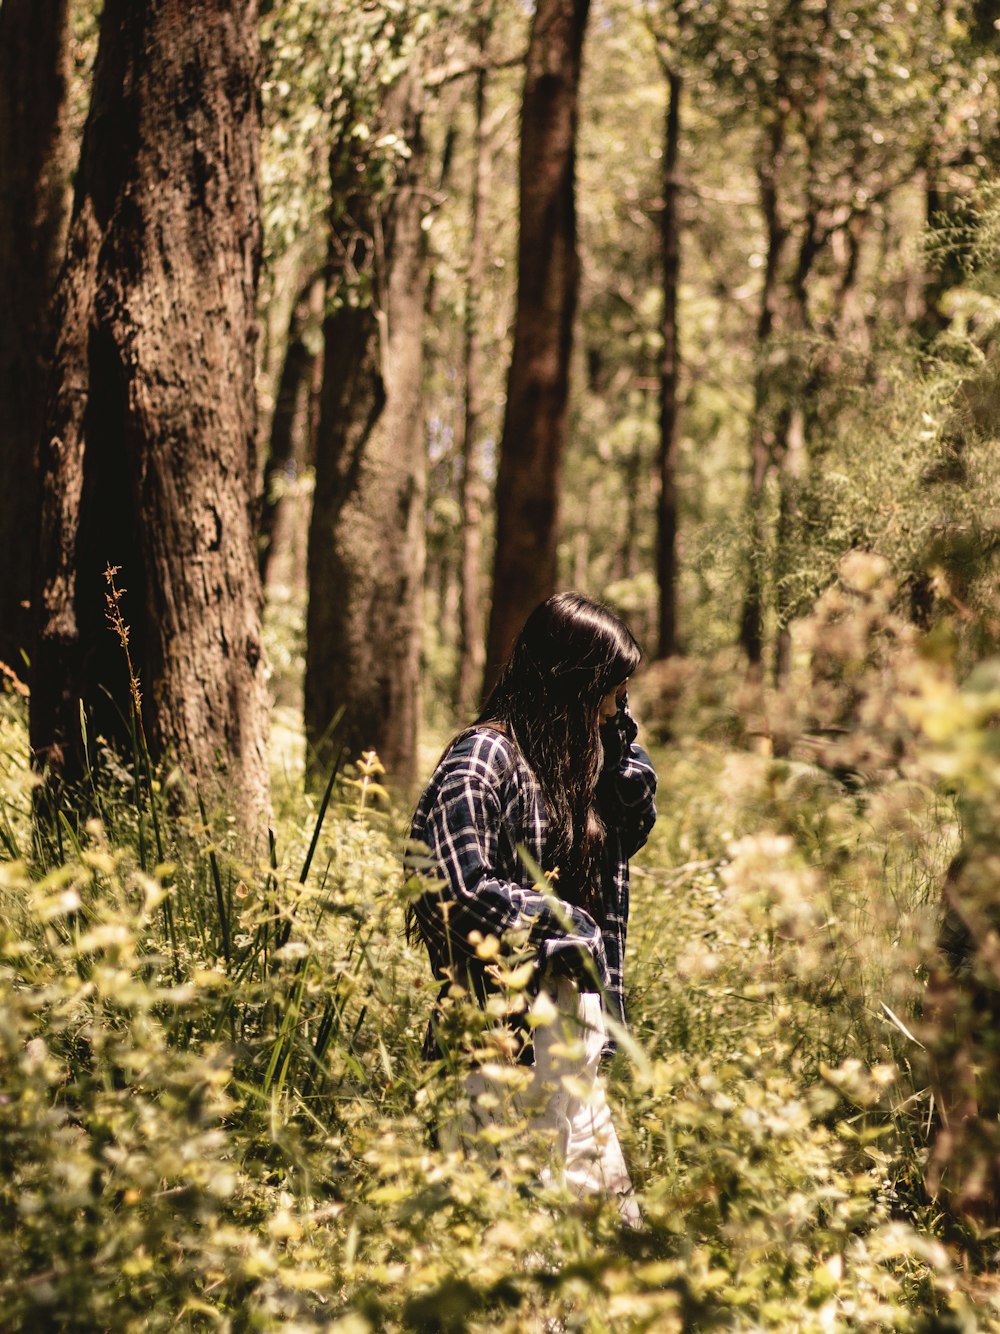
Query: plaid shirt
[{"x": 481, "y": 805}]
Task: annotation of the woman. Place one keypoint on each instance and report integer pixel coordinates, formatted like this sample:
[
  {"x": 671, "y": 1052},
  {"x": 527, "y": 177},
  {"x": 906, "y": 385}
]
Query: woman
[{"x": 549, "y": 769}]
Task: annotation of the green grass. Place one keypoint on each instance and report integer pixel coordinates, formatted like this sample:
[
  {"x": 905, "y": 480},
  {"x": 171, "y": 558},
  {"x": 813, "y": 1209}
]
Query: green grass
[{"x": 215, "y": 1114}]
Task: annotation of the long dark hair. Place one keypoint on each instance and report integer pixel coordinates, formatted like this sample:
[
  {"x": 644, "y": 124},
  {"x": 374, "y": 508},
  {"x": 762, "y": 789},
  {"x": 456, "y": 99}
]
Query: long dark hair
[{"x": 571, "y": 653}]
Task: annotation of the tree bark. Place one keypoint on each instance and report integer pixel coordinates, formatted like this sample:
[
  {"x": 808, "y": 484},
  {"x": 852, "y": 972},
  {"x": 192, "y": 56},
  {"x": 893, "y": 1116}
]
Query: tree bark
[
  {"x": 472, "y": 646},
  {"x": 147, "y": 460},
  {"x": 534, "y": 429},
  {"x": 670, "y": 248},
  {"x": 366, "y": 539},
  {"x": 34, "y": 187}
]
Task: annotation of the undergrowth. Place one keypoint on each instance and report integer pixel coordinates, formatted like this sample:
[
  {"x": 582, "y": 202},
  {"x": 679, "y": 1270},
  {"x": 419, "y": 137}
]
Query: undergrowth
[{"x": 215, "y": 1112}]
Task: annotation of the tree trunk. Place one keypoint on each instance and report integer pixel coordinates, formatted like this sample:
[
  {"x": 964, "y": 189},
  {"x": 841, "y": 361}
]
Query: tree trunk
[
  {"x": 851, "y": 326},
  {"x": 147, "y": 460},
  {"x": 442, "y": 545},
  {"x": 289, "y": 424},
  {"x": 534, "y": 429},
  {"x": 797, "y": 416},
  {"x": 34, "y": 187},
  {"x": 791, "y": 471},
  {"x": 635, "y": 471},
  {"x": 366, "y": 539},
  {"x": 751, "y": 636},
  {"x": 449, "y": 112},
  {"x": 472, "y": 646},
  {"x": 670, "y": 238},
  {"x": 942, "y": 219}
]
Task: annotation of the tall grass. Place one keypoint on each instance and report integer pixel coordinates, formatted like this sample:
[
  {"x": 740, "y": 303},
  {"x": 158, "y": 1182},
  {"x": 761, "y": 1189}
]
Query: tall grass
[{"x": 220, "y": 1116}]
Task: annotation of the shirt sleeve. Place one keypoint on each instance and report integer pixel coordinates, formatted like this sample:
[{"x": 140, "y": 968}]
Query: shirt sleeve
[
  {"x": 627, "y": 786},
  {"x": 462, "y": 833}
]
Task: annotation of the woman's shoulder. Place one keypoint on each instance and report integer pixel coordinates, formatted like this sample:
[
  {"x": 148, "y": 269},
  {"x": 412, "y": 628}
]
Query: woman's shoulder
[
  {"x": 485, "y": 749},
  {"x": 480, "y": 762}
]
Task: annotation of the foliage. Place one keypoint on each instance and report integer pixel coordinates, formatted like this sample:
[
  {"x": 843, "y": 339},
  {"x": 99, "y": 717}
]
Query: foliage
[
  {"x": 877, "y": 103},
  {"x": 925, "y": 497},
  {"x": 216, "y": 1108}
]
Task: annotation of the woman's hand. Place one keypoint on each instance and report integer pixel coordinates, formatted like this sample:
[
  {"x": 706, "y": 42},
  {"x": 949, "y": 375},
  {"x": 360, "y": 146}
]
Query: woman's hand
[
  {"x": 618, "y": 730},
  {"x": 613, "y": 702}
]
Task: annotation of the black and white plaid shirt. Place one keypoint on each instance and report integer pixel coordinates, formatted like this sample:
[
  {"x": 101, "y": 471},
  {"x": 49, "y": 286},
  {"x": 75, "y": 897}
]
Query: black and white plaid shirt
[{"x": 483, "y": 804}]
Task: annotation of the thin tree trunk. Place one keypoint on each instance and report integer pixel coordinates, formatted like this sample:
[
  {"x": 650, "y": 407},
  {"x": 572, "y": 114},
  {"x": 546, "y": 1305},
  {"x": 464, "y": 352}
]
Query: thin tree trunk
[
  {"x": 443, "y": 555},
  {"x": 147, "y": 461},
  {"x": 751, "y": 636},
  {"x": 796, "y": 422},
  {"x": 286, "y": 456},
  {"x": 851, "y": 325},
  {"x": 798, "y": 412},
  {"x": 447, "y": 163},
  {"x": 534, "y": 430},
  {"x": 366, "y": 538},
  {"x": 634, "y": 472},
  {"x": 940, "y": 219},
  {"x": 791, "y": 470},
  {"x": 34, "y": 187},
  {"x": 670, "y": 361},
  {"x": 449, "y": 592},
  {"x": 472, "y": 646}
]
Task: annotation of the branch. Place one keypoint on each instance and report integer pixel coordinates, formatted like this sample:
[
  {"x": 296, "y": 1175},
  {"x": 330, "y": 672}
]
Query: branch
[
  {"x": 666, "y": 56},
  {"x": 462, "y": 69}
]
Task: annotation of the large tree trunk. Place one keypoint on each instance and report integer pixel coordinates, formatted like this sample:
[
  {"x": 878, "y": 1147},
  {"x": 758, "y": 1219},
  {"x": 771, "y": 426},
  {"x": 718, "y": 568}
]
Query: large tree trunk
[
  {"x": 147, "y": 460},
  {"x": 34, "y": 188},
  {"x": 534, "y": 429},
  {"x": 472, "y": 647},
  {"x": 366, "y": 543},
  {"x": 670, "y": 253}
]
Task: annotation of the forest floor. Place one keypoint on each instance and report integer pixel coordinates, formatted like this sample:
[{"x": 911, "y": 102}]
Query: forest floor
[{"x": 217, "y": 1114}]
